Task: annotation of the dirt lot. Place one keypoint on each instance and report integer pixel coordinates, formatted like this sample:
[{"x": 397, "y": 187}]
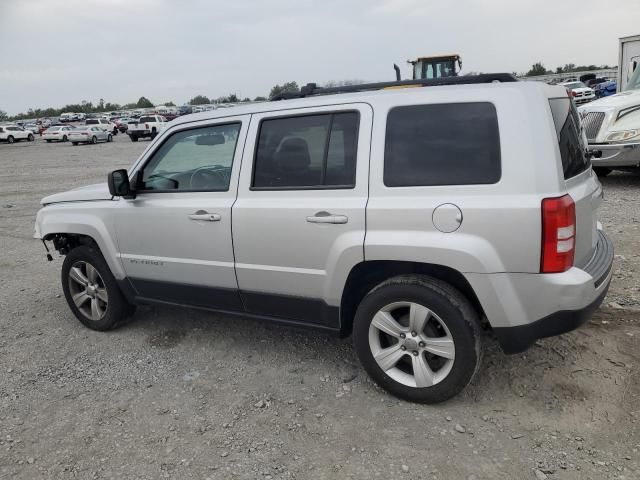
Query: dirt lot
[{"x": 189, "y": 394}]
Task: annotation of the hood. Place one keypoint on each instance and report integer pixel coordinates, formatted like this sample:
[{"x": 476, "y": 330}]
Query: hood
[
  {"x": 99, "y": 191},
  {"x": 582, "y": 89},
  {"x": 618, "y": 101}
]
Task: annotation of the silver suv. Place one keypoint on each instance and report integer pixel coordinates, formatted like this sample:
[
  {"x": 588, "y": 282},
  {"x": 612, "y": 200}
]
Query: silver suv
[{"x": 411, "y": 218}]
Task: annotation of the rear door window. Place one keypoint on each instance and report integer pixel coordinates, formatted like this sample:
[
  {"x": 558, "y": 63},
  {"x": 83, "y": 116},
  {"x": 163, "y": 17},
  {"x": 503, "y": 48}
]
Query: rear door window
[
  {"x": 442, "y": 144},
  {"x": 567, "y": 123},
  {"x": 313, "y": 151}
]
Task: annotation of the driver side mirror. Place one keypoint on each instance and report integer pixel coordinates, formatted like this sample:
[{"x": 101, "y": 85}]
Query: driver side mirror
[{"x": 119, "y": 186}]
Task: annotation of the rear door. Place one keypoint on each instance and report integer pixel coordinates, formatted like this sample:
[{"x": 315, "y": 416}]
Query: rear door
[
  {"x": 581, "y": 183},
  {"x": 299, "y": 220}
]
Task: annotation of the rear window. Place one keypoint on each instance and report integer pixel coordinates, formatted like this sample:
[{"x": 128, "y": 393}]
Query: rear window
[
  {"x": 91, "y": 122},
  {"x": 442, "y": 144},
  {"x": 567, "y": 123},
  {"x": 147, "y": 119}
]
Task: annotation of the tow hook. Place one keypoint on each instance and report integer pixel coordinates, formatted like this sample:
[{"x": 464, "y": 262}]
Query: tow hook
[{"x": 49, "y": 257}]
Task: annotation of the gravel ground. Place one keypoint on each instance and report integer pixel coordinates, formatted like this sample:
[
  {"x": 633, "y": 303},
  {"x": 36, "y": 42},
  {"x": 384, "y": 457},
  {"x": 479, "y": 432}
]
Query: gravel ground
[{"x": 180, "y": 393}]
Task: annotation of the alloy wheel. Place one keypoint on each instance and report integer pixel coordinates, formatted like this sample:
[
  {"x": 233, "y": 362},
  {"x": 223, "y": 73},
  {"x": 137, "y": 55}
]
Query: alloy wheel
[
  {"x": 88, "y": 290},
  {"x": 411, "y": 344}
]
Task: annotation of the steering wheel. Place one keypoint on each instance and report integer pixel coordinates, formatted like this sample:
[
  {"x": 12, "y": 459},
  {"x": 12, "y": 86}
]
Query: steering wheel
[{"x": 207, "y": 177}]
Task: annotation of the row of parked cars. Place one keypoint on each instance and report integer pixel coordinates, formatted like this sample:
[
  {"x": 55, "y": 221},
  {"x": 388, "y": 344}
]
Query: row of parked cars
[
  {"x": 585, "y": 90},
  {"x": 94, "y": 130}
]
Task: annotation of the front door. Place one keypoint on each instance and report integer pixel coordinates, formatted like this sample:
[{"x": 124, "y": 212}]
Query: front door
[
  {"x": 299, "y": 220},
  {"x": 175, "y": 236}
]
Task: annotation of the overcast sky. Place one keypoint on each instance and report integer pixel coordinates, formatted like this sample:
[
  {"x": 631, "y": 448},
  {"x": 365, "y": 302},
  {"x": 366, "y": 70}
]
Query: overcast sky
[{"x": 55, "y": 52}]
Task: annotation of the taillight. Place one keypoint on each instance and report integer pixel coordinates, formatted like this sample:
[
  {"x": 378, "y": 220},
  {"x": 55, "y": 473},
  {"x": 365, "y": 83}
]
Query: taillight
[
  {"x": 558, "y": 234},
  {"x": 573, "y": 94}
]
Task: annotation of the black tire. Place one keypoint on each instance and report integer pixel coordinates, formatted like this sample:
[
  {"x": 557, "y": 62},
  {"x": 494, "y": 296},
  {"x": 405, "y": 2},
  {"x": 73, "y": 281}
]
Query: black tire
[
  {"x": 455, "y": 311},
  {"x": 10, "y": 139},
  {"x": 75, "y": 144},
  {"x": 117, "y": 308},
  {"x": 154, "y": 133},
  {"x": 48, "y": 141},
  {"x": 115, "y": 131},
  {"x": 94, "y": 139},
  {"x": 602, "y": 171},
  {"x": 133, "y": 138},
  {"x": 30, "y": 138},
  {"x": 64, "y": 138},
  {"x": 109, "y": 138}
]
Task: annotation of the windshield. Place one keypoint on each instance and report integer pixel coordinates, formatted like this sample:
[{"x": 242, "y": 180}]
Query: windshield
[
  {"x": 437, "y": 69},
  {"x": 574, "y": 85},
  {"x": 634, "y": 81}
]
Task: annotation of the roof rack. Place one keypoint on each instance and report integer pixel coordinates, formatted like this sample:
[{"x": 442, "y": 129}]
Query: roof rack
[{"x": 311, "y": 89}]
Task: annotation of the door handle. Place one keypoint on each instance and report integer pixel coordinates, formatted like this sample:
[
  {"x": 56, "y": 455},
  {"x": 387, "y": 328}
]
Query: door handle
[
  {"x": 205, "y": 216},
  {"x": 326, "y": 217}
]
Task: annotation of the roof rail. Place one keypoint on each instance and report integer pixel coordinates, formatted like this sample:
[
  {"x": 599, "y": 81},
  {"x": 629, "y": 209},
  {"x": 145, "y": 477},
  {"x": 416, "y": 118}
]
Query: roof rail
[{"x": 311, "y": 89}]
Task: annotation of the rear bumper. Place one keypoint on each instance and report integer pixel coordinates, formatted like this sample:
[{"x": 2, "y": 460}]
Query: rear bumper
[
  {"x": 616, "y": 155},
  {"x": 139, "y": 133},
  {"x": 520, "y": 338},
  {"x": 522, "y": 308}
]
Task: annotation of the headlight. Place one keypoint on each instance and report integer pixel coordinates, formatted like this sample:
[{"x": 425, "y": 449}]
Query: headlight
[{"x": 622, "y": 135}]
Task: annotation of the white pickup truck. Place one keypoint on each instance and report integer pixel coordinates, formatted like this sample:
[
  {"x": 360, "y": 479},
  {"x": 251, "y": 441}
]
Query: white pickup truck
[{"x": 148, "y": 126}]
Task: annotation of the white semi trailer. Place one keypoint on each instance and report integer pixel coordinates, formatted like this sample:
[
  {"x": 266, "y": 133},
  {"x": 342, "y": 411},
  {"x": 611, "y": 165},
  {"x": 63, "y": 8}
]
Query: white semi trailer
[{"x": 628, "y": 60}]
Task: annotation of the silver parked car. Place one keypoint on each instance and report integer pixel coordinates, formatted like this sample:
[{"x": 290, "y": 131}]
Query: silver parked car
[
  {"x": 89, "y": 134},
  {"x": 57, "y": 133},
  {"x": 410, "y": 218}
]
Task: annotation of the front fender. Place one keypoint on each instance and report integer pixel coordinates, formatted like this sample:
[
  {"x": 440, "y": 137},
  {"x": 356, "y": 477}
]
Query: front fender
[{"x": 92, "y": 220}]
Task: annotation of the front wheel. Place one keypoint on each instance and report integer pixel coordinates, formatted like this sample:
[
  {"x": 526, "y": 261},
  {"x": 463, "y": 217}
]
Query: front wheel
[
  {"x": 30, "y": 137},
  {"x": 92, "y": 291},
  {"x": 48, "y": 141},
  {"x": 74, "y": 144},
  {"x": 418, "y": 338},
  {"x": 602, "y": 171},
  {"x": 64, "y": 138},
  {"x": 94, "y": 139},
  {"x": 109, "y": 138}
]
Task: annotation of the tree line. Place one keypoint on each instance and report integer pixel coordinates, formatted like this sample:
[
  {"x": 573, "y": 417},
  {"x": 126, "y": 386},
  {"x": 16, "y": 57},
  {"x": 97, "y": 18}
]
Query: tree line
[
  {"x": 539, "y": 69},
  {"x": 143, "y": 102}
]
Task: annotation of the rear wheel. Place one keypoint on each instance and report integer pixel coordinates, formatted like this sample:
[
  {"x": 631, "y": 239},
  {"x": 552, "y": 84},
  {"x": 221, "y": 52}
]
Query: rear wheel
[
  {"x": 48, "y": 141},
  {"x": 154, "y": 133},
  {"x": 418, "y": 338},
  {"x": 74, "y": 143},
  {"x": 64, "y": 138},
  {"x": 92, "y": 291},
  {"x": 109, "y": 138},
  {"x": 115, "y": 131},
  {"x": 10, "y": 139},
  {"x": 94, "y": 140},
  {"x": 133, "y": 138},
  {"x": 602, "y": 171}
]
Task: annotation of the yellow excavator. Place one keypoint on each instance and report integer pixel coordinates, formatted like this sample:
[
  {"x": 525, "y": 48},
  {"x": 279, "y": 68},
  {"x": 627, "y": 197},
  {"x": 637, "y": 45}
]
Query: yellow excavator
[{"x": 433, "y": 67}]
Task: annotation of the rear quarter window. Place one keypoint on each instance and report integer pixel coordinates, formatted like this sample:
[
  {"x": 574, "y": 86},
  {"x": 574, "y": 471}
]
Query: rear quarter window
[
  {"x": 442, "y": 144},
  {"x": 567, "y": 123}
]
